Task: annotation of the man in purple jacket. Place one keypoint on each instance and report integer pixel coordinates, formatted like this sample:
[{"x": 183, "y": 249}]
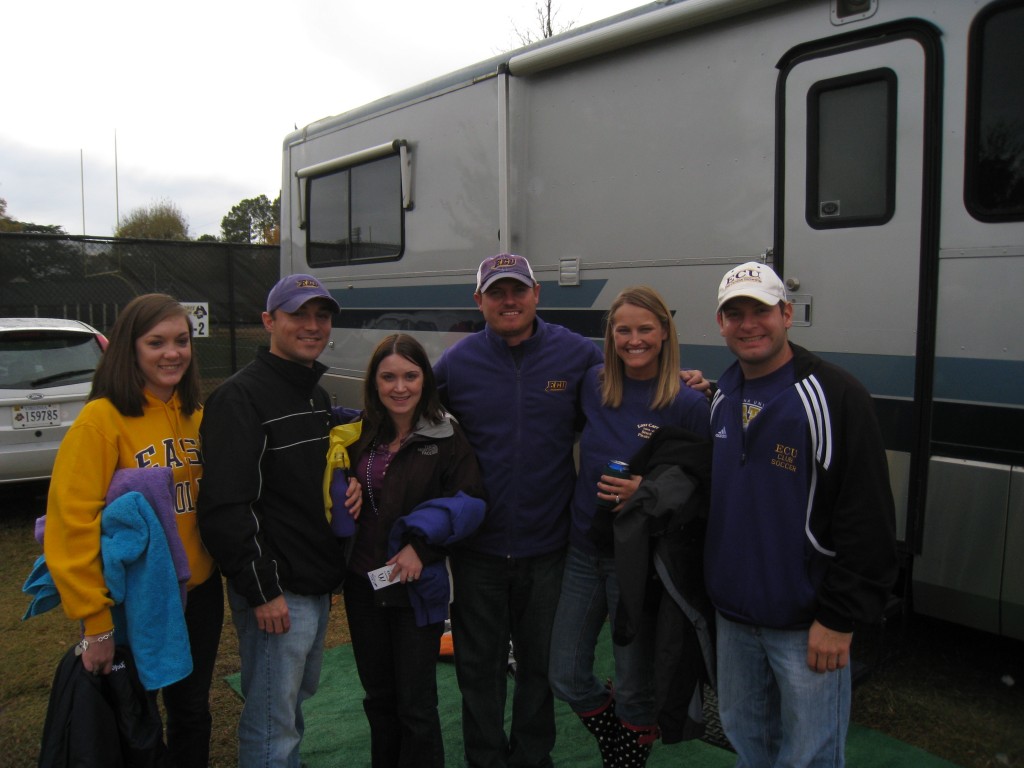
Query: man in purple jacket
[{"x": 514, "y": 388}]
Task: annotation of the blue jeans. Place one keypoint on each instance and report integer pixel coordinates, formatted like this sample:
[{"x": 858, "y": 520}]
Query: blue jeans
[
  {"x": 775, "y": 710},
  {"x": 397, "y": 665},
  {"x": 279, "y": 672},
  {"x": 590, "y": 592},
  {"x": 498, "y": 598}
]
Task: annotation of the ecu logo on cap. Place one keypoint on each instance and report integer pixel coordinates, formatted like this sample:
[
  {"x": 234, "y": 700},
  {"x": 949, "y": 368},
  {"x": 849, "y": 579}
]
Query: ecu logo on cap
[
  {"x": 304, "y": 283},
  {"x": 745, "y": 274},
  {"x": 504, "y": 261}
]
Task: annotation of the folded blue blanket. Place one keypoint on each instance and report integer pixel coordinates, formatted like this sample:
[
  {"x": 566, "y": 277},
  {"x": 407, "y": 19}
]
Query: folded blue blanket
[{"x": 140, "y": 575}]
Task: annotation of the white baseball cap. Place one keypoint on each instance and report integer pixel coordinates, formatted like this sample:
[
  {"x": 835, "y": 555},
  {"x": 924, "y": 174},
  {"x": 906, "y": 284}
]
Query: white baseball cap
[{"x": 754, "y": 280}]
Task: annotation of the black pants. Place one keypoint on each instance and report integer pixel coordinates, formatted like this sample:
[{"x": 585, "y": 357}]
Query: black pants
[
  {"x": 188, "y": 701},
  {"x": 397, "y": 665},
  {"x": 498, "y": 599}
]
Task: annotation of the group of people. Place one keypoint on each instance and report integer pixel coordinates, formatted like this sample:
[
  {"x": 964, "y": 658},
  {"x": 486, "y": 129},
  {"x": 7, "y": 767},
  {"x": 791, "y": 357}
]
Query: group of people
[{"x": 755, "y": 527}]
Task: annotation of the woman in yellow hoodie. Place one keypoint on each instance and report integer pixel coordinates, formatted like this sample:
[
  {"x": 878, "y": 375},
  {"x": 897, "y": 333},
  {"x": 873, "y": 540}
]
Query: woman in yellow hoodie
[{"x": 143, "y": 411}]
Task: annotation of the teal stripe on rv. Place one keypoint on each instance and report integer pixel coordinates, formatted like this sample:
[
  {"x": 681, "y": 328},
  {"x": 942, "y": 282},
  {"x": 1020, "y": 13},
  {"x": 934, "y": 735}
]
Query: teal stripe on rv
[
  {"x": 458, "y": 296},
  {"x": 956, "y": 378},
  {"x": 883, "y": 375}
]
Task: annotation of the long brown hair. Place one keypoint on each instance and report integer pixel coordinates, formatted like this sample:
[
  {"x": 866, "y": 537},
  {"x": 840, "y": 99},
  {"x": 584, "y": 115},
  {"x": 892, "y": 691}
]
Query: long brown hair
[
  {"x": 667, "y": 387},
  {"x": 118, "y": 376},
  {"x": 376, "y": 419}
]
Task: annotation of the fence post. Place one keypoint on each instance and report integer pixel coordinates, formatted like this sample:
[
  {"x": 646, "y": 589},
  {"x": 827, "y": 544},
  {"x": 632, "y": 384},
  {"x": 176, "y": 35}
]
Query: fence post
[{"x": 231, "y": 307}]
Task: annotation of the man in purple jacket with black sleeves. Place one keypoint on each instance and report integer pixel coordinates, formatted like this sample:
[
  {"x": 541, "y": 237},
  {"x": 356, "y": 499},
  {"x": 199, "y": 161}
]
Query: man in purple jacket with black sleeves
[{"x": 801, "y": 544}]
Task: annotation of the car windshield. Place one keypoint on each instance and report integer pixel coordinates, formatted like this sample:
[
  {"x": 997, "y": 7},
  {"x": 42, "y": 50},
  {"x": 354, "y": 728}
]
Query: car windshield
[{"x": 33, "y": 359}]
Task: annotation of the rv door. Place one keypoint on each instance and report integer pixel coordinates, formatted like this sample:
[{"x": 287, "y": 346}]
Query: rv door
[{"x": 853, "y": 240}]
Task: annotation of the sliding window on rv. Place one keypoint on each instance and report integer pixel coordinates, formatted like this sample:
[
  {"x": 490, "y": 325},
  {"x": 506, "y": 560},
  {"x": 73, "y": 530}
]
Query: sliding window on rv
[
  {"x": 851, "y": 150},
  {"x": 355, "y": 214}
]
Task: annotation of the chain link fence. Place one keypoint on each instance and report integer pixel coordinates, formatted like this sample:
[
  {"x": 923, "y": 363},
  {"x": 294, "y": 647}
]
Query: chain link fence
[{"x": 91, "y": 279}]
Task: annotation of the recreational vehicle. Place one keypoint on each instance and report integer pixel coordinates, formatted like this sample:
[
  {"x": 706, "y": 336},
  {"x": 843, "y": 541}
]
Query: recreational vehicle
[{"x": 872, "y": 151}]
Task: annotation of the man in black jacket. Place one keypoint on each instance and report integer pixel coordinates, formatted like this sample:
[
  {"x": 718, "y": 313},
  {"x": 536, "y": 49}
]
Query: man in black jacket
[
  {"x": 801, "y": 544},
  {"x": 261, "y": 514}
]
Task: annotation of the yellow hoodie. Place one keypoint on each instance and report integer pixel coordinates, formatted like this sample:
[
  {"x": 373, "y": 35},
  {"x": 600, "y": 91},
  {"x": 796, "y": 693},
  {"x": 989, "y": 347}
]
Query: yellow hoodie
[{"x": 101, "y": 441}]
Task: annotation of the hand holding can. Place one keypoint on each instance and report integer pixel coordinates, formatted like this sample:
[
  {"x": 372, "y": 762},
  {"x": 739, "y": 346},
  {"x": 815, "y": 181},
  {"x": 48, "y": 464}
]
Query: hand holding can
[{"x": 614, "y": 468}]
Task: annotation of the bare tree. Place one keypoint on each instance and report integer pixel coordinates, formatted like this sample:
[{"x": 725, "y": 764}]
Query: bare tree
[{"x": 544, "y": 16}]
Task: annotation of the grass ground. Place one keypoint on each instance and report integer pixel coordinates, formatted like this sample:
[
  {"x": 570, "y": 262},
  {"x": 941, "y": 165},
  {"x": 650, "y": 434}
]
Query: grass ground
[{"x": 954, "y": 692}]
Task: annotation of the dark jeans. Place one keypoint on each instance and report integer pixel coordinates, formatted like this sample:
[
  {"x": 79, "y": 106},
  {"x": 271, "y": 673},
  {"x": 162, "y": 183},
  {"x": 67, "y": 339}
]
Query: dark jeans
[
  {"x": 188, "y": 701},
  {"x": 498, "y": 599},
  {"x": 397, "y": 665}
]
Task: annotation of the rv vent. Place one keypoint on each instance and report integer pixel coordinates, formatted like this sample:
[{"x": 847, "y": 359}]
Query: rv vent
[
  {"x": 845, "y": 11},
  {"x": 569, "y": 271}
]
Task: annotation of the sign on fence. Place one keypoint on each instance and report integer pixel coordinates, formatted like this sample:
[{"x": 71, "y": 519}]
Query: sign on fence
[{"x": 199, "y": 316}]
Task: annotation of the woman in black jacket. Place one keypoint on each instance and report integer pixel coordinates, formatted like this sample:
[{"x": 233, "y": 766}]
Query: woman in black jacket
[{"x": 410, "y": 452}]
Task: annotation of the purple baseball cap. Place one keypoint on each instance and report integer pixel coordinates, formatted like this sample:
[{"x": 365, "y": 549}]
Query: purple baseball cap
[
  {"x": 501, "y": 266},
  {"x": 293, "y": 291}
]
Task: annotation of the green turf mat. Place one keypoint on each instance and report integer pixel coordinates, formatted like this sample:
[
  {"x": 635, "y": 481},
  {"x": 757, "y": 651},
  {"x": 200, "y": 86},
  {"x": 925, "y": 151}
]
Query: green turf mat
[{"x": 337, "y": 733}]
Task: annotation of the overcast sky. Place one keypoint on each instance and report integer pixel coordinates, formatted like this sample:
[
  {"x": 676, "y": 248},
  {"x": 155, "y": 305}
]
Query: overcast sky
[{"x": 201, "y": 93}]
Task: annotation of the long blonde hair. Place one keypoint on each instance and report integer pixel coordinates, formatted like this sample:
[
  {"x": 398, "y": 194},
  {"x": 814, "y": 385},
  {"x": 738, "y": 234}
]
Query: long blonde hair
[{"x": 667, "y": 386}]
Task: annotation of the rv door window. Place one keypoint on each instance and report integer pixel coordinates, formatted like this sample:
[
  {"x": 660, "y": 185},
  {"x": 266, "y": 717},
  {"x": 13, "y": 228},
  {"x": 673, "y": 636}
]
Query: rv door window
[
  {"x": 355, "y": 215},
  {"x": 994, "y": 183},
  {"x": 851, "y": 145}
]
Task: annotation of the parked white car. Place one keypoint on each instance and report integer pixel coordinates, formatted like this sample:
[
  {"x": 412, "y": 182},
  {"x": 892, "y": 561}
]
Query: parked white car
[{"x": 46, "y": 369}]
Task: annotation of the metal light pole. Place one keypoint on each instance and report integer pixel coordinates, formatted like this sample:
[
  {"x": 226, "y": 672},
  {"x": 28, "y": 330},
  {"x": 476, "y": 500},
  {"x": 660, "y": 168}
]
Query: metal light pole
[
  {"x": 117, "y": 195},
  {"x": 81, "y": 176}
]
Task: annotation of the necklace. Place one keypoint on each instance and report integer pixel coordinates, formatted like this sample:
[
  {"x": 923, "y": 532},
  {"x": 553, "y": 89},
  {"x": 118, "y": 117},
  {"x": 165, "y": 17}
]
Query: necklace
[{"x": 369, "y": 476}]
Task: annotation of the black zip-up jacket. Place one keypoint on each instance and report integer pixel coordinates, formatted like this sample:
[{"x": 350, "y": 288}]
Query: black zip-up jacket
[
  {"x": 106, "y": 721},
  {"x": 437, "y": 461},
  {"x": 659, "y": 543},
  {"x": 261, "y": 508}
]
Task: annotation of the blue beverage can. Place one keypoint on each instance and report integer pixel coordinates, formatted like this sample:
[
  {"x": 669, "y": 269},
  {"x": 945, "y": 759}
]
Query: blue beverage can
[
  {"x": 614, "y": 468},
  {"x": 617, "y": 469}
]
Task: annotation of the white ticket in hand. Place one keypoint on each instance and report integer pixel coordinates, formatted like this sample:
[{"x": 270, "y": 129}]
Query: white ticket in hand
[{"x": 381, "y": 577}]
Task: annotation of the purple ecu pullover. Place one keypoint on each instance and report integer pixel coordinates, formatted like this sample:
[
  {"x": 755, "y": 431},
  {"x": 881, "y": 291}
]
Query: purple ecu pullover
[
  {"x": 618, "y": 433},
  {"x": 802, "y": 525},
  {"x": 519, "y": 409}
]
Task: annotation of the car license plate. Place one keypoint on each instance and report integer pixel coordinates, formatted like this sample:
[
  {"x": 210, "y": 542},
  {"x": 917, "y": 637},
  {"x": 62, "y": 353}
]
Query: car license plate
[{"x": 29, "y": 416}]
